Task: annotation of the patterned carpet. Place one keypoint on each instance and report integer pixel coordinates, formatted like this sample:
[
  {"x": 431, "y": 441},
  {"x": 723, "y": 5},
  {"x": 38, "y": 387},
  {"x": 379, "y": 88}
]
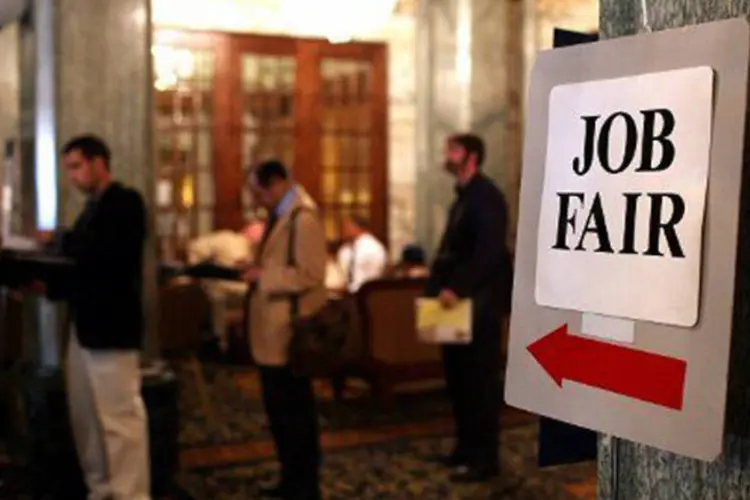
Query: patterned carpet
[
  {"x": 235, "y": 397},
  {"x": 369, "y": 454},
  {"x": 395, "y": 470}
]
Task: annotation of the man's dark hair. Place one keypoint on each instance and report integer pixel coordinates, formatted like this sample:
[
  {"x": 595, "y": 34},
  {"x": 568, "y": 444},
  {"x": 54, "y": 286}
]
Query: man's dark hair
[
  {"x": 333, "y": 246},
  {"x": 270, "y": 170},
  {"x": 413, "y": 255},
  {"x": 360, "y": 221},
  {"x": 471, "y": 143},
  {"x": 90, "y": 147}
]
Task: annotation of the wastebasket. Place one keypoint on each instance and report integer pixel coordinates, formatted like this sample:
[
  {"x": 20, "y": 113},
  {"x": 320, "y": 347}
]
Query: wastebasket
[{"x": 40, "y": 438}]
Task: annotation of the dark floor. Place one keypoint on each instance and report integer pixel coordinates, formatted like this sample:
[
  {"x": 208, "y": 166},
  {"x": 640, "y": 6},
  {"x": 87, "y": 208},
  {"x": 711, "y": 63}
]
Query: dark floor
[{"x": 370, "y": 454}]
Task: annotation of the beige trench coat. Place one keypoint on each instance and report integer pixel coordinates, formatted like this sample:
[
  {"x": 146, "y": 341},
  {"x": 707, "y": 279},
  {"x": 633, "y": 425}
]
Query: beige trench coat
[{"x": 269, "y": 309}]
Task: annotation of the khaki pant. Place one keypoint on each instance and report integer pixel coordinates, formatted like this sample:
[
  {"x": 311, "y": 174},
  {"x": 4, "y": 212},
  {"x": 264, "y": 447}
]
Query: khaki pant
[
  {"x": 224, "y": 297},
  {"x": 108, "y": 419}
]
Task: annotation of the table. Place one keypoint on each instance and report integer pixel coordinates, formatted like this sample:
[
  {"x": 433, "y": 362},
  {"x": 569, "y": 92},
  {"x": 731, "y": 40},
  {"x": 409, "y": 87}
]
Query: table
[{"x": 38, "y": 430}]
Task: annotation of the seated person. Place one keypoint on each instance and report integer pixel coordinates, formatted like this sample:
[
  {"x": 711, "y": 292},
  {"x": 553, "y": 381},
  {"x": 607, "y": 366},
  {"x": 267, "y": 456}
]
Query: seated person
[
  {"x": 253, "y": 233},
  {"x": 335, "y": 279},
  {"x": 226, "y": 249},
  {"x": 413, "y": 263},
  {"x": 362, "y": 258}
]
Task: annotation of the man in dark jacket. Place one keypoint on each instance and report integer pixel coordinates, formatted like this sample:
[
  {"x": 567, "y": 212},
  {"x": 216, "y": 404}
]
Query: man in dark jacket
[
  {"x": 473, "y": 263},
  {"x": 105, "y": 297}
]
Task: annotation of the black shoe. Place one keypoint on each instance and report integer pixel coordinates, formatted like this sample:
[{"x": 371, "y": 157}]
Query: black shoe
[
  {"x": 277, "y": 491},
  {"x": 475, "y": 474},
  {"x": 452, "y": 460}
]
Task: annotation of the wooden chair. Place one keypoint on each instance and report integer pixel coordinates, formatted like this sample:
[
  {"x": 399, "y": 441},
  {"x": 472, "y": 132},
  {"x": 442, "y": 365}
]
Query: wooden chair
[
  {"x": 391, "y": 352},
  {"x": 183, "y": 310}
]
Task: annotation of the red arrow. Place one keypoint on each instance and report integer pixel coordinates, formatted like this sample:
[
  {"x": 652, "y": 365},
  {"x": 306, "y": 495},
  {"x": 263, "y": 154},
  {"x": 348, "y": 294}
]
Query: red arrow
[{"x": 635, "y": 374}]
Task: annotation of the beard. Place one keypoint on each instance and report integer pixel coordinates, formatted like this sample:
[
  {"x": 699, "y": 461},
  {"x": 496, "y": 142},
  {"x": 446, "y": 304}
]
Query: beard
[{"x": 454, "y": 167}]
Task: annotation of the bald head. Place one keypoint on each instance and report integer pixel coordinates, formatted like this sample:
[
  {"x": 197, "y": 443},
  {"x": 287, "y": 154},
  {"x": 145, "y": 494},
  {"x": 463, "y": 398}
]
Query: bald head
[{"x": 353, "y": 226}]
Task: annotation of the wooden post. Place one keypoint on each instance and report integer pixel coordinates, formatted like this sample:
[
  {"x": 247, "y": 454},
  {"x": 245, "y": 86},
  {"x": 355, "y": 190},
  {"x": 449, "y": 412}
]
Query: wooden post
[{"x": 629, "y": 471}]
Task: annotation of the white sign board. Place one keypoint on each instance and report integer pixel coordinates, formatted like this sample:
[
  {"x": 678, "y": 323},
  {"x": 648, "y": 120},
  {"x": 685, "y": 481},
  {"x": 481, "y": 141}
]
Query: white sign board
[
  {"x": 605, "y": 336},
  {"x": 623, "y": 205}
]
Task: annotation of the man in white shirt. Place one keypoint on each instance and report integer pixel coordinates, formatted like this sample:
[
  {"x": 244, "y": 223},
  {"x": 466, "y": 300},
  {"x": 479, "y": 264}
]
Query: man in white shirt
[
  {"x": 362, "y": 258},
  {"x": 335, "y": 279}
]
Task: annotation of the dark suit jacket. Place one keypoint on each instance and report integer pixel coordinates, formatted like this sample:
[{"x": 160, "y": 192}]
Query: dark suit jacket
[
  {"x": 106, "y": 244},
  {"x": 473, "y": 260}
]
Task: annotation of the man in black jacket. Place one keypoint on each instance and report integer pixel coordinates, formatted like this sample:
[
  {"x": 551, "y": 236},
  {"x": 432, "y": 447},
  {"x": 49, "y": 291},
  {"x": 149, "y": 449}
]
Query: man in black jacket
[
  {"x": 473, "y": 263},
  {"x": 103, "y": 359}
]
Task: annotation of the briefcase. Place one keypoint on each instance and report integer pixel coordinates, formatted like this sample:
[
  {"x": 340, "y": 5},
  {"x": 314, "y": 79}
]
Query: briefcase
[{"x": 319, "y": 342}]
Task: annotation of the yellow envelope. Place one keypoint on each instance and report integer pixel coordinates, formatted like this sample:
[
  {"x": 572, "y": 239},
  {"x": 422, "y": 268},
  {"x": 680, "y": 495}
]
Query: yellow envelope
[{"x": 437, "y": 325}]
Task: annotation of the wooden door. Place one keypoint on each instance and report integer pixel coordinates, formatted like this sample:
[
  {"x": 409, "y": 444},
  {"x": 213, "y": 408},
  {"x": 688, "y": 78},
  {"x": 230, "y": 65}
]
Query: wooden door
[
  {"x": 319, "y": 108},
  {"x": 191, "y": 112},
  {"x": 263, "y": 73},
  {"x": 342, "y": 148}
]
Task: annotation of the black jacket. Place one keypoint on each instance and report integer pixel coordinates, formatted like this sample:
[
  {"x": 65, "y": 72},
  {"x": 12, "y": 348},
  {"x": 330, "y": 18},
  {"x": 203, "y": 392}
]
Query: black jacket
[
  {"x": 473, "y": 260},
  {"x": 106, "y": 244}
]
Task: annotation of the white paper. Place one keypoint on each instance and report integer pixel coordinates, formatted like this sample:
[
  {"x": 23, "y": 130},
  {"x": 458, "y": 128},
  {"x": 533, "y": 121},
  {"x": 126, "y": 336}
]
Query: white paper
[
  {"x": 434, "y": 324},
  {"x": 636, "y": 286},
  {"x": 608, "y": 328}
]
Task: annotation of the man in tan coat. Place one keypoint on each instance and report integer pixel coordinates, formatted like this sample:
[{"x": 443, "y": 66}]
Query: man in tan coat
[{"x": 276, "y": 281}]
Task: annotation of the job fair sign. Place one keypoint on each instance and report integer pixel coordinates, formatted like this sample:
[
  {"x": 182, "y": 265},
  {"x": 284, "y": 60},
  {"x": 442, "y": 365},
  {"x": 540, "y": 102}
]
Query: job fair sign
[{"x": 624, "y": 196}]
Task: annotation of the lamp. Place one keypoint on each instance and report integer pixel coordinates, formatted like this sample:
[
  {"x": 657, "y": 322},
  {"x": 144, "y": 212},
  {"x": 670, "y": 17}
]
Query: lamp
[
  {"x": 337, "y": 20},
  {"x": 171, "y": 65}
]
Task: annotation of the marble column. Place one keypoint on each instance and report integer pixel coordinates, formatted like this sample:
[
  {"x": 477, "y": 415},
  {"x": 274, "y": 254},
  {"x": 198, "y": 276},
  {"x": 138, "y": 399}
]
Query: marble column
[
  {"x": 9, "y": 82},
  {"x": 9, "y": 108},
  {"x": 469, "y": 78},
  {"x": 86, "y": 68},
  {"x": 632, "y": 471}
]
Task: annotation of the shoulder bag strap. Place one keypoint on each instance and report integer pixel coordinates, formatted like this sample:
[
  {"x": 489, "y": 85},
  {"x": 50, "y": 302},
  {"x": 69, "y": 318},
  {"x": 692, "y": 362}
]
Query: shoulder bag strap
[{"x": 291, "y": 258}]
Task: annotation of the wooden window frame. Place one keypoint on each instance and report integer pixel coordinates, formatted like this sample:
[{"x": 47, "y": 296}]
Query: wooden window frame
[
  {"x": 227, "y": 114},
  {"x": 310, "y": 55}
]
